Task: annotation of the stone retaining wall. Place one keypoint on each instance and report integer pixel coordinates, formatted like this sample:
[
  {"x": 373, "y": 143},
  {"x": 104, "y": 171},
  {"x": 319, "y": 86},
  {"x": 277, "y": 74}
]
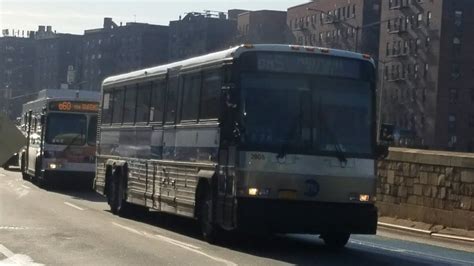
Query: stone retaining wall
[{"x": 427, "y": 186}]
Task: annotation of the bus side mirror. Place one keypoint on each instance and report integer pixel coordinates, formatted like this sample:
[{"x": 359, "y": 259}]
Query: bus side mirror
[
  {"x": 43, "y": 119},
  {"x": 229, "y": 90}
]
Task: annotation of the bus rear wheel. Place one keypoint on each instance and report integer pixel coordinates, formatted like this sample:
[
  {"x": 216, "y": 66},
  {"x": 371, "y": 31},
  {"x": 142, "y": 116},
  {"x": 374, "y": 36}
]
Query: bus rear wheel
[
  {"x": 115, "y": 195},
  {"x": 336, "y": 240}
]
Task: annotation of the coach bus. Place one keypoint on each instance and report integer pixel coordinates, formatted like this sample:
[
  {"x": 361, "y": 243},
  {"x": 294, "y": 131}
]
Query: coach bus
[
  {"x": 61, "y": 131},
  {"x": 260, "y": 138}
]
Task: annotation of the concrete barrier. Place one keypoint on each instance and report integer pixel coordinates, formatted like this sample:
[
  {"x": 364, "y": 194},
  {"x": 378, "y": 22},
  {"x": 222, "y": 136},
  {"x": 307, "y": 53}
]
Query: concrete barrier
[{"x": 433, "y": 187}]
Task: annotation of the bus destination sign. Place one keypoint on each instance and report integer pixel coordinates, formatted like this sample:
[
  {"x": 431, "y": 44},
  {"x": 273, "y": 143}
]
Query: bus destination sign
[
  {"x": 316, "y": 65},
  {"x": 74, "y": 106}
]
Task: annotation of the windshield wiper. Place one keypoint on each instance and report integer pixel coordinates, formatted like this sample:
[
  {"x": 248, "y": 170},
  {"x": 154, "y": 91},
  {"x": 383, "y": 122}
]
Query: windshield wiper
[
  {"x": 340, "y": 155},
  {"x": 73, "y": 140},
  {"x": 284, "y": 147}
]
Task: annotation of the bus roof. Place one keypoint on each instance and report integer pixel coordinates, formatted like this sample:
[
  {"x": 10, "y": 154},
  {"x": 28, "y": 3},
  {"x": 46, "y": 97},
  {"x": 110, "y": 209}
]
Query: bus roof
[
  {"x": 45, "y": 96},
  {"x": 233, "y": 52}
]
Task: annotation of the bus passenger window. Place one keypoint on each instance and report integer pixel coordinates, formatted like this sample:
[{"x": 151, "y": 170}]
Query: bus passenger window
[
  {"x": 143, "y": 102},
  {"x": 210, "y": 95},
  {"x": 171, "y": 100},
  {"x": 106, "y": 115},
  {"x": 118, "y": 105},
  {"x": 158, "y": 101},
  {"x": 191, "y": 90},
  {"x": 130, "y": 104}
]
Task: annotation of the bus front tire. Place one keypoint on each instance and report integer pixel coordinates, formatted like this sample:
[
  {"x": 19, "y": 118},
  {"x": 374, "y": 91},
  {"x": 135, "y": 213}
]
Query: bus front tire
[{"x": 336, "y": 240}]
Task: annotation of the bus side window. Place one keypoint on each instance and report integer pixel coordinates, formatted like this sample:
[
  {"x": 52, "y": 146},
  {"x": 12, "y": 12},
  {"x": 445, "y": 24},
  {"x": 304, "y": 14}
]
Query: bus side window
[
  {"x": 117, "y": 106},
  {"x": 171, "y": 100},
  {"x": 130, "y": 104},
  {"x": 106, "y": 115},
  {"x": 191, "y": 91},
  {"x": 158, "y": 101},
  {"x": 143, "y": 102},
  {"x": 210, "y": 94}
]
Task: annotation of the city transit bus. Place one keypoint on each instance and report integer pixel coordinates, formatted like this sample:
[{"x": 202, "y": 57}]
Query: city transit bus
[
  {"x": 61, "y": 131},
  {"x": 259, "y": 138}
]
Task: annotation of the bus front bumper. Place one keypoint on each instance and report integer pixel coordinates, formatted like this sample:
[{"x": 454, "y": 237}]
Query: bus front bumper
[
  {"x": 61, "y": 176},
  {"x": 287, "y": 216}
]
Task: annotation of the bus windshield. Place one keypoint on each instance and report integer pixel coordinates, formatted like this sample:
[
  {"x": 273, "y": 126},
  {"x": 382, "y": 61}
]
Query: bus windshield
[
  {"x": 306, "y": 114},
  {"x": 66, "y": 129}
]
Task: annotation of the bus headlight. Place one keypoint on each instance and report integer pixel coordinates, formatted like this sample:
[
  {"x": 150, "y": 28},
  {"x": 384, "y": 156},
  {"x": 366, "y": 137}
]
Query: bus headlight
[
  {"x": 364, "y": 198},
  {"x": 264, "y": 192},
  {"x": 253, "y": 191},
  {"x": 54, "y": 166}
]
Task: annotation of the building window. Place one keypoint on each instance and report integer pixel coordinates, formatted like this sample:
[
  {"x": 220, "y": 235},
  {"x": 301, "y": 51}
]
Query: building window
[
  {"x": 387, "y": 51},
  {"x": 458, "y": 16},
  {"x": 428, "y": 18},
  {"x": 453, "y": 96},
  {"x": 353, "y": 10},
  {"x": 427, "y": 69},
  {"x": 456, "y": 71},
  {"x": 405, "y": 47},
  {"x": 428, "y": 42},
  {"x": 417, "y": 70},
  {"x": 452, "y": 122},
  {"x": 419, "y": 20},
  {"x": 457, "y": 45}
]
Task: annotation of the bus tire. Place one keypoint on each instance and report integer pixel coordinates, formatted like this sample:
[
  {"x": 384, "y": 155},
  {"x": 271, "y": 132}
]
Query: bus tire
[
  {"x": 116, "y": 195},
  {"x": 24, "y": 175},
  {"x": 210, "y": 231},
  {"x": 336, "y": 240}
]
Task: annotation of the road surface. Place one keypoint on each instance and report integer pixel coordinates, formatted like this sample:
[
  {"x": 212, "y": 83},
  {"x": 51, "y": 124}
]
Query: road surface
[{"x": 71, "y": 226}]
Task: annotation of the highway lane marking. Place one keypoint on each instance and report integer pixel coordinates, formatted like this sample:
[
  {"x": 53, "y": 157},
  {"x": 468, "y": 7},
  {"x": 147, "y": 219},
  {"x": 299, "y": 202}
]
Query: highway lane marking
[
  {"x": 15, "y": 259},
  {"x": 411, "y": 252},
  {"x": 27, "y": 187},
  {"x": 74, "y": 206},
  {"x": 2, "y": 175},
  {"x": 177, "y": 243}
]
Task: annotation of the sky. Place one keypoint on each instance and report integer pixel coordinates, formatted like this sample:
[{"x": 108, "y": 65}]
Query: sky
[{"x": 75, "y": 16}]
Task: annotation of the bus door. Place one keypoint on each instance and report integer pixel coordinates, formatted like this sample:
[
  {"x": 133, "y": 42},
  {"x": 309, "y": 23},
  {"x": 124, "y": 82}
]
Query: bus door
[{"x": 170, "y": 173}]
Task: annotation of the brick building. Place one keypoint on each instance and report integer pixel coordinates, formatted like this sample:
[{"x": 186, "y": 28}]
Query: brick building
[
  {"x": 341, "y": 24},
  {"x": 117, "y": 49},
  {"x": 16, "y": 70},
  {"x": 56, "y": 59},
  {"x": 200, "y": 33},
  {"x": 428, "y": 90},
  {"x": 263, "y": 26}
]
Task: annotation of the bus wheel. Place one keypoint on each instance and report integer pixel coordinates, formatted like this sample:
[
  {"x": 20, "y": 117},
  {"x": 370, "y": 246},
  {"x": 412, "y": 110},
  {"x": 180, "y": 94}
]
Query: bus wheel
[
  {"x": 115, "y": 196},
  {"x": 336, "y": 240},
  {"x": 209, "y": 229},
  {"x": 24, "y": 175}
]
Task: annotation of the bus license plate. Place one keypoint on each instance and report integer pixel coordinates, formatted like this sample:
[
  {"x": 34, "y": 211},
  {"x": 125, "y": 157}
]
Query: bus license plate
[{"x": 287, "y": 194}]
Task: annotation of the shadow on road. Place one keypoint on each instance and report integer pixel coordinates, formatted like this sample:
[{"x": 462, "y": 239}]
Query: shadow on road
[{"x": 293, "y": 249}]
